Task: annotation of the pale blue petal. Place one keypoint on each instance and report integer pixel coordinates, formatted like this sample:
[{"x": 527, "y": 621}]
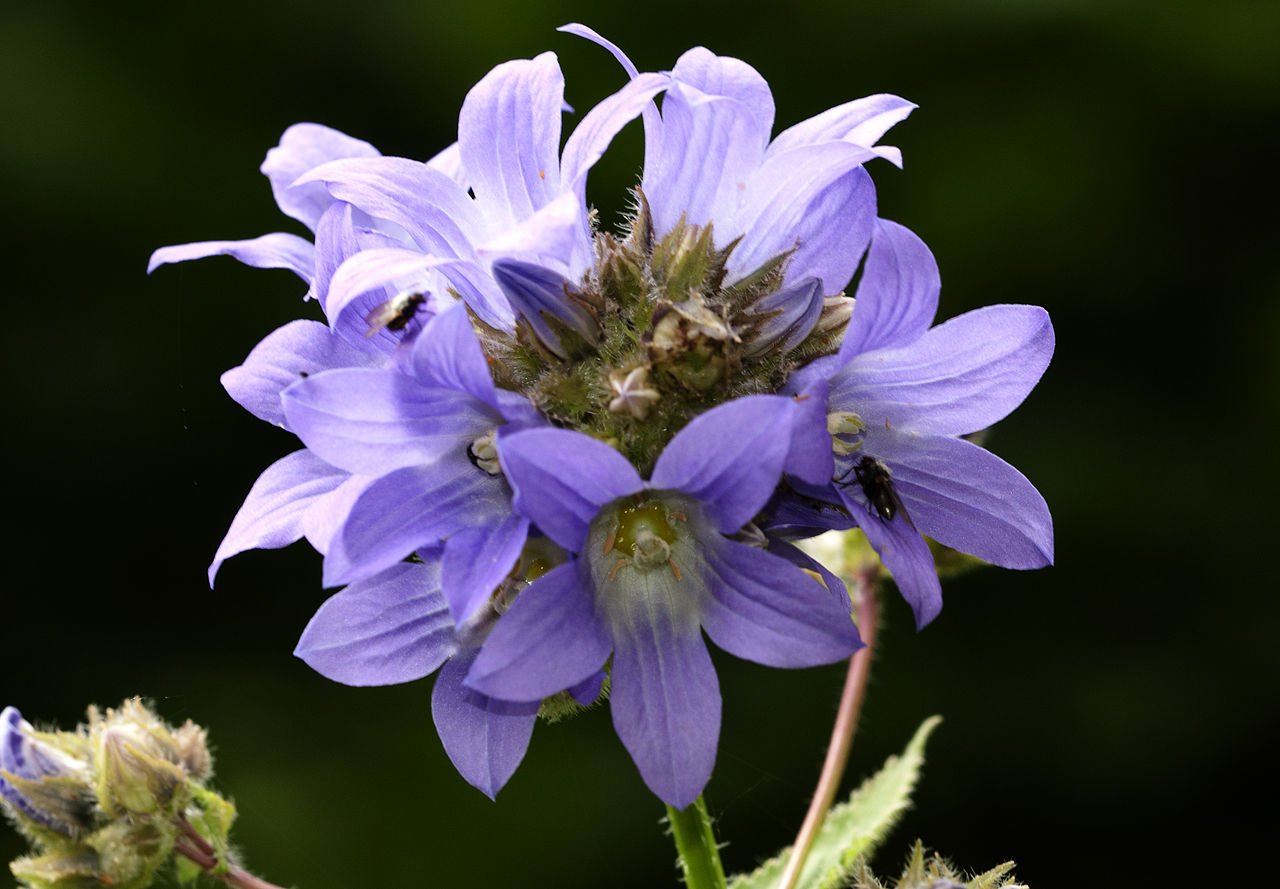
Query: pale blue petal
[
  {"x": 959, "y": 377},
  {"x": 271, "y": 516},
  {"x": 509, "y": 135},
  {"x": 549, "y": 640},
  {"x": 485, "y": 739},
  {"x": 862, "y": 122},
  {"x": 562, "y": 478},
  {"x": 371, "y": 421},
  {"x": 434, "y": 210},
  {"x": 394, "y": 627},
  {"x": 968, "y": 498},
  {"x": 477, "y": 560},
  {"x": 665, "y": 701},
  {"x": 287, "y": 355},
  {"x": 765, "y": 609},
  {"x": 897, "y": 294},
  {"x": 410, "y": 508},
  {"x": 274, "y": 251},
  {"x": 730, "y": 458}
]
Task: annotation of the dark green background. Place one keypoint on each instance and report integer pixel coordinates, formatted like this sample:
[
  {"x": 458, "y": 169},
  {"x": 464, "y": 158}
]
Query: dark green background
[{"x": 1109, "y": 718}]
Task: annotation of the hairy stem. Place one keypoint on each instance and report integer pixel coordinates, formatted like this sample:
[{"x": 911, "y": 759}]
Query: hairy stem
[
  {"x": 696, "y": 843},
  {"x": 855, "y": 685},
  {"x": 194, "y": 847}
]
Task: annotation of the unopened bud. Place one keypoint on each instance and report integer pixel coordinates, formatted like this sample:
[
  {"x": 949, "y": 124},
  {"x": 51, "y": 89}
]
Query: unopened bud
[
  {"x": 134, "y": 775},
  {"x": 836, "y": 312},
  {"x": 44, "y": 777}
]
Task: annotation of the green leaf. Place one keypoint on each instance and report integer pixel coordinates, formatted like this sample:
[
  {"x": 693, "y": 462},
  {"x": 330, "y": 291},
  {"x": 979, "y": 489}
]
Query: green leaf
[{"x": 854, "y": 828}]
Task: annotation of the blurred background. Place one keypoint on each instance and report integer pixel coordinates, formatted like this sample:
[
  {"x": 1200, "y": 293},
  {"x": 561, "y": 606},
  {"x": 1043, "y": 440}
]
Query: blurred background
[{"x": 1111, "y": 719}]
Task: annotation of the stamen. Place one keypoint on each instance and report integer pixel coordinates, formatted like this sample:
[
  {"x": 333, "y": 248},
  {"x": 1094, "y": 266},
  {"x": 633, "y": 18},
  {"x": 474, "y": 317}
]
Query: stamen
[
  {"x": 617, "y": 566},
  {"x": 675, "y": 569},
  {"x": 610, "y": 541}
]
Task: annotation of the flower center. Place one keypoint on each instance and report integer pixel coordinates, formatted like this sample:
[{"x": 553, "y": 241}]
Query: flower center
[
  {"x": 655, "y": 334},
  {"x": 645, "y": 534}
]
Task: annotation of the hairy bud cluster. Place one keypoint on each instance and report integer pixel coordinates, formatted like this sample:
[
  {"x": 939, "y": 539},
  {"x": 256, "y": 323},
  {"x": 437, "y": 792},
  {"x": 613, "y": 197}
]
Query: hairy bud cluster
[
  {"x": 655, "y": 336},
  {"x": 108, "y": 803}
]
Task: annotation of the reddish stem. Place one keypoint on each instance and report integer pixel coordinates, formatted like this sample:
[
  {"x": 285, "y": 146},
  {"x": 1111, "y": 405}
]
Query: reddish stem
[
  {"x": 855, "y": 686},
  {"x": 195, "y": 847}
]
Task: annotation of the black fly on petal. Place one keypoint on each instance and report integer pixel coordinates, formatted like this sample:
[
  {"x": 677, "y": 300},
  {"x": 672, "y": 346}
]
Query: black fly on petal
[
  {"x": 394, "y": 314},
  {"x": 877, "y": 484}
]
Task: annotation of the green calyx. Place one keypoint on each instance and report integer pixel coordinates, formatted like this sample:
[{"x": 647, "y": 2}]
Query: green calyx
[{"x": 672, "y": 340}]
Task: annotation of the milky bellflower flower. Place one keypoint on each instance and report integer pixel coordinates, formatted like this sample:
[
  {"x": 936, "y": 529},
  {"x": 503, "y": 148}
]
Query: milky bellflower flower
[
  {"x": 900, "y": 397},
  {"x": 539, "y": 454}
]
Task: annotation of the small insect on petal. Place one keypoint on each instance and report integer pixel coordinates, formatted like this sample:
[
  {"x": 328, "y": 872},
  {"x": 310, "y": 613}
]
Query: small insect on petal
[{"x": 394, "y": 314}]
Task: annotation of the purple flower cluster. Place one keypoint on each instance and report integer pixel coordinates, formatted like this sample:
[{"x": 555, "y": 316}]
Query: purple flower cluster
[{"x": 542, "y": 457}]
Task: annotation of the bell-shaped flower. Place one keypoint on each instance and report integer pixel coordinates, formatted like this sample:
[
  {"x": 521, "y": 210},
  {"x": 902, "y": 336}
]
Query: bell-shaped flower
[
  {"x": 396, "y": 627},
  {"x": 902, "y": 395},
  {"x": 518, "y": 199},
  {"x": 655, "y": 564},
  {"x": 422, "y": 440},
  {"x": 805, "y": 194}
]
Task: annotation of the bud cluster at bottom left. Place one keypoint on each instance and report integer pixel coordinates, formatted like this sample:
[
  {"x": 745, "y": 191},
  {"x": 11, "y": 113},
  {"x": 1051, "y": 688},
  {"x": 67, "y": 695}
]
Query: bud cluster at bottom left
[{"x": 111, "y": 802}]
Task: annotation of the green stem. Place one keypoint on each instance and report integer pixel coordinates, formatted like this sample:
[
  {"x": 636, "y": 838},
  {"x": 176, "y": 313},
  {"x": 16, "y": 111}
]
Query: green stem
[{"x": 696, "y": 843}]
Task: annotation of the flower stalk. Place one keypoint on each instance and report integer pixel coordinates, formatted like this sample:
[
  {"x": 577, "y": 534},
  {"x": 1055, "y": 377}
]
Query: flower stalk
[
  {"x": 192, "y": 846},
  {"x": 866, "y": 590},
  {"x": 696, "y": 843}
]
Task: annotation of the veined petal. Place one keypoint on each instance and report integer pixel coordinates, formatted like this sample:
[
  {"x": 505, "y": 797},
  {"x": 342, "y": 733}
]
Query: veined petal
[
  {"x": 959, "y": 377},
  {"x": 549, "y": 640},
  {"x": 485, "y": 739},
  {"x": 809, "y": 457},
  {"x": 338, "y": 238},
  {"x": 327, "y": 514},
  {"x": 448, "y": 355},
  {"x": 665, "y": 701},
  {"x": 364, "y": 283},
  {"x": 710, "y": 147},
  {"x": 411, "y": 508},
  {"x": 274, "y": 251},
  {"x": 509, "y": 134},
  {"x": 862, "y": 122},
  {"x": 730, "y": 458},
  {"x": 794, "y": 198},
  {"x": 271, "y": 516},
  {"x": 716, "y": 120},
  {"x": 835, "y": 231},
  {"x": 371, "y": 421},
  {"x": 897, "y": 294},
  {"x": 303, "y": 147},
  {"x": 580, "y": 30},
  {"x": 652, "y": 119},
  {"x": 481, "y": 293},
  {"x": 535, "y": 292},
  {"x": 394, "y": 627},
  {"x": 476, "y": 560},
  {"x": 588, "y": 141},
  {"x": 449, "y": 162},
  {"x": 562, "y": 478},
  {"x": 433, "y": 209},
  {"x": 968, "y": 498},
  {"x": 556, "y": 235},
  {"x": 905, "y": 553},
  {"x": 287, "y": 355},
  {"x": 765, "y": 609}
]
